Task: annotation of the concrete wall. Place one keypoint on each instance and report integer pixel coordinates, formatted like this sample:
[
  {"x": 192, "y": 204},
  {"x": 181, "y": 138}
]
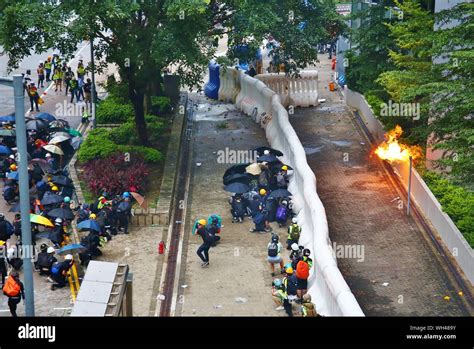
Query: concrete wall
[
  {"x": 420, "y": 193},
  {"x": 327, "y": 286}
]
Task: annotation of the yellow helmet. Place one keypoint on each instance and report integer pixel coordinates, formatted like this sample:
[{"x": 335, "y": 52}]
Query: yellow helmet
[
  {"x": 284, "y": 168},
  {"x": 262, "y": 191},
  {"x": 202, "y": 222},
  {"x": 55, "y": 188},
  {"x": 92, "y": 216},
  {"x": 13, "y": 167},
  {"x": 289, "y": 270}
]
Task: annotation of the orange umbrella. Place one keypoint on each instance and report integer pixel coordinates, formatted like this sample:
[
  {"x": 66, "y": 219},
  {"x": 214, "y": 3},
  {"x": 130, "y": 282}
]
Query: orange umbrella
[{"x": 140, "y": 199}]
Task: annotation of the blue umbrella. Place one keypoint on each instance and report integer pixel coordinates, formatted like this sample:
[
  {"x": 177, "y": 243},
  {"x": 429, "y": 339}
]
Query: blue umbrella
[
  {"x": 45, "y": 117},
  {"x": 5, "y": 150},
  {"x": 7, "y": 118},
  {"x": 89, "y": 225},
  {"x": 71, "y": 249},
  {"x": 13, "y": 175}
]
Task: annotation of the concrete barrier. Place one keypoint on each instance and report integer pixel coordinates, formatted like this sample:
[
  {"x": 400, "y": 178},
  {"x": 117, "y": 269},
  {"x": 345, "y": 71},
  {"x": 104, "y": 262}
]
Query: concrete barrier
[
  {"x": 420, "y": 193},
  {"x": 229, "y": 85},
  {"x": 327, "y": 286}
]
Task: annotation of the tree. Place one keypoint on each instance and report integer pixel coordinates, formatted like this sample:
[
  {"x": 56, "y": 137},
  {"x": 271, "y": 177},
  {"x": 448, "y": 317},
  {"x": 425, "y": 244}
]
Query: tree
[{"x": 144, "y": 37}]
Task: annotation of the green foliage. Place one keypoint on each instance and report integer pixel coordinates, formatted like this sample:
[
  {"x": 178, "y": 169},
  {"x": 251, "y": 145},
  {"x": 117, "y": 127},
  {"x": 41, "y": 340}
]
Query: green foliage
[
  {"x": 456, "y": 201},
  {"x": 160, "y": 104},
  {"x": 150, "y": 155},
  {"x": 127, "y": 132},
  {"x": 111, "y": 111}
]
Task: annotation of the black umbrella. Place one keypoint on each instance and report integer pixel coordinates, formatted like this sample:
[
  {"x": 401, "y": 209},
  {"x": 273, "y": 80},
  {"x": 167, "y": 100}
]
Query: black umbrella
[
  {"x": 59, "y": 123},
  {"x": 50, "y": 199},
  {"x": 63, "y": 213},
  {"x": 279, "y": 193},
  {"x": 267, "y": 158},
  {"x": 240, "y": 168},
  {"x": 63, "y": 181},
  {"x": 238, "y": 188},
  {"x": 261, "y": 151},
  {"x": 36, "y": 125},
  {"x": 238, "y": 177}
]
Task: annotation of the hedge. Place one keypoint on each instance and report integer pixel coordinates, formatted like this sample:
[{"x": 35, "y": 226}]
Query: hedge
[{"x": 111, "y": 111}]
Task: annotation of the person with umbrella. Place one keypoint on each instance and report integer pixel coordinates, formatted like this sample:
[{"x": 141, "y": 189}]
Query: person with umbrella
[{"x": 59, "y": 272}]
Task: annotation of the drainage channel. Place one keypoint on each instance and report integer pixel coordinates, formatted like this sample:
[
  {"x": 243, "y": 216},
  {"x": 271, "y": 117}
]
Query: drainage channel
[{"x": 178, "y": 214}]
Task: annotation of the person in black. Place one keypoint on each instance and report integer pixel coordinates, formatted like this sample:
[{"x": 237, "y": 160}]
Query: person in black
[
  {"x": 124, "y": 214},
  {"x": 3, "y": 263},
  {"x": 45, "y": 261},
  {"x": 207, "y": 240},
  {"x": 6, "y": 229},
  {"x": 14, "y": 300},
  {"x": 59, "y": 272}
]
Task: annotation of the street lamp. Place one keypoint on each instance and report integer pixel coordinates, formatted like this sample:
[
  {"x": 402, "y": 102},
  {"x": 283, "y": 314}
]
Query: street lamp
[{"x": 22, "y": 159}]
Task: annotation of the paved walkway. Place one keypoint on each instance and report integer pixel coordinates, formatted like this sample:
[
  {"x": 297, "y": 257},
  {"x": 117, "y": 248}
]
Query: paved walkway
[
  {"x": 401, "y": 274},
  {"x": 238, "y": 267}
]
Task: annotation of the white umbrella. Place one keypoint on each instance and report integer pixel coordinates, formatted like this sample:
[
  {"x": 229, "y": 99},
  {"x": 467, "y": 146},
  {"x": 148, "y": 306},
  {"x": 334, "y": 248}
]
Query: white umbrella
[
  {"x": 61, "y": 133},
  {"x": 254, "y": 169},
  {"x": 58, "y": 139},
  {"x": 53, "y": 149}
]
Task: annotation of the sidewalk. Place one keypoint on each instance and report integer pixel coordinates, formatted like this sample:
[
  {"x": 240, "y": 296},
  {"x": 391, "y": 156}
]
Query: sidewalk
[{"x": 238, "y": 267}]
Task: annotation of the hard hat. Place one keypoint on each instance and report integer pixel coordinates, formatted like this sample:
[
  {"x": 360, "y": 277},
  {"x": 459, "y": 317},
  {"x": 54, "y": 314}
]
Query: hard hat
[
  {"x": 2, "y": 242},
  {"x": 289, "y": 270},
  {"x": 55, "y": 188},
  {"x": 13, "y": 167},
  {"x": 67, "y": 199},
  {"x": 306, "y": 252},
  {"x": 50, "y": 249},
  {"x": 43, "y": 246},
  {"x": 2, "y": 215},
  {"x": 12, "y": 157},
  {"x": 68, "y": 257},
  {"x": 275, "y": 238},
  {"x": 262, "y": 191},
  {"x": 266, "y": 152},
  {"x": 92, "y": 216},
  {"x": 49, "y": 58},
  {"x": 284, "y": 168},
  {"x": 295, "y": 247},
  {"x": 307, "y": 297},
  {"x": 48, "y": 155},
  {"x": 202, "y": 222},
  {"x": 277, "y": 283},
  {"x": 58, "y": 220},
  {"x": 294, "y": 220},
  {"x": 40, "y": 62},
  {"x": 126, "y": 195}
]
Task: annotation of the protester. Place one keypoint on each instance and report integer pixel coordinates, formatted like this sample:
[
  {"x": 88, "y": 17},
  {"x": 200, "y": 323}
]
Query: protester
[
  {"x": 47, "y": 67},
  {"x": 274, "y": 254},
  {"x": 34, "y": 96},
  {"x": 308, "y": 309},
  {"x": 40, "y": 70},
  {"x": 14, "y": 290},
  {"x": 303, "y": 267},
  {"x": 207, "y": 240},
  {"x": 59, "y": 272},
  {"x": 45, "y": 261},
  {"x": 280, "y": 297},
  {"x": 294, "y": 232}
]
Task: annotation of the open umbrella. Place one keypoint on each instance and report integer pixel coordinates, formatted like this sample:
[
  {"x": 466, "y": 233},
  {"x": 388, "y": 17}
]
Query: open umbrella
[
  {"x": 240, "y": 168},
  {"x": 267, "y": 158},
  {"x": 45, "y": 116},
  {"x": 261, "y": 150},
  {"x": 76, "y": 142},
  {"x": 13, "y": 175},
  {"x": 36, "y": 125},
  {"x": 71, "y": 248},
  {"x": 254, "y": 169},
  {"x": 59, "y": 139},
  {"x": 60, "y": 133},
  {"x": 89, "y": 224},
  {"x": 35, "y": 218},
  {"x": 4, "y": 150},
  {"x": 59, "y": 124},
  {"x": 279, "y": 193},
  {"x": 238, "y": 177},
  {"x": 62, "y": 180},
  {"x": 74, "y": 132},
  {"x": 51, "y": 199},
  {"x": 7, "y": 133},
  {"x": 53, "y": 149},
  {"x": 62, "y": 213},
  {"x": 238, "y": 188},
  {"x": 140, "y": 199},
  {"x": 7, "y": 118}
]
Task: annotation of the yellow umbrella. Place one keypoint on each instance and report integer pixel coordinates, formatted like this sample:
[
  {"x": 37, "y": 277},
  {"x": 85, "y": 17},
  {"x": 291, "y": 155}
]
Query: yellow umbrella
[
  {"x": 53, "y": 149},
  {"x": 254, "y": 169},
  {"x": 36, "y": 218}
]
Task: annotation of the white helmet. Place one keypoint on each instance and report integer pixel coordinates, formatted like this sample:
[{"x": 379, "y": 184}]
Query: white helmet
[
  {"x": 40, "y": 62},
  {"x": 50, "y": 249},
  {"x": 266, "y": 152},
  {"x": 68, "y": 257},
  {"x": 48, "y": 155},
  {"x": 58, "y": 220},
  {"x": 295, "y": 247},
  {"x": 12, "y": 157},
  {"x": 294, "y": 220}
]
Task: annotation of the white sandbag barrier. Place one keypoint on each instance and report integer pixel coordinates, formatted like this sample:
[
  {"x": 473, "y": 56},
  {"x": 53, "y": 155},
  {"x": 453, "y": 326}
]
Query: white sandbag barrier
[{"x": 326, "y": 284}]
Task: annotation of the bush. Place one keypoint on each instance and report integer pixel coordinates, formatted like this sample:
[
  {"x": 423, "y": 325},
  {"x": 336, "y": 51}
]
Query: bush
[
  {"x": 127, "y": 132},
  {"x": 160, "y": 105},
  {"x": 457, "y": 202},
  {"x": 149, "y": 155},
  {"x": 111, "y": 111},
  {"x": 115, "y": 174},
  {"x": 97, "y": 145}
]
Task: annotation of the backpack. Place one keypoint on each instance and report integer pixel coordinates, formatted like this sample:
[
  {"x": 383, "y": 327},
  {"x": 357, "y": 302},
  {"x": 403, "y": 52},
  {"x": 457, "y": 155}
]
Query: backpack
[
  {"x": 294, "y": 232},
  {"x": 11, "y": 287},
  {"x": 272, "y": 249},
  {"x": 291, "y": 285},
  {"x": 309, "y": 309},
  {"x": 213, "y": 218},
  {"x": 302, "y": 270},
  {"x": 55, "y": 268},
  {"x": 281, "y": 214}
]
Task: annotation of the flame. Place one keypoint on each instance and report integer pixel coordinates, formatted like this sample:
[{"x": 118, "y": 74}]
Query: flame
[{"x": 392, "y": 151}]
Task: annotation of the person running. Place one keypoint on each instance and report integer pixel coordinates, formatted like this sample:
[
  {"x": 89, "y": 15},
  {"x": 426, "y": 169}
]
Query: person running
[
  {"x": 48, "y": 65},
  {"x": 302, "y": 273},
  {"x": 294, "y": 232},
  {"x": 274, "y": 254},
  {"x": 14, "y": 290},
  {"x": 207, "y": 240},
  {"x": 40, "y": 71}
]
